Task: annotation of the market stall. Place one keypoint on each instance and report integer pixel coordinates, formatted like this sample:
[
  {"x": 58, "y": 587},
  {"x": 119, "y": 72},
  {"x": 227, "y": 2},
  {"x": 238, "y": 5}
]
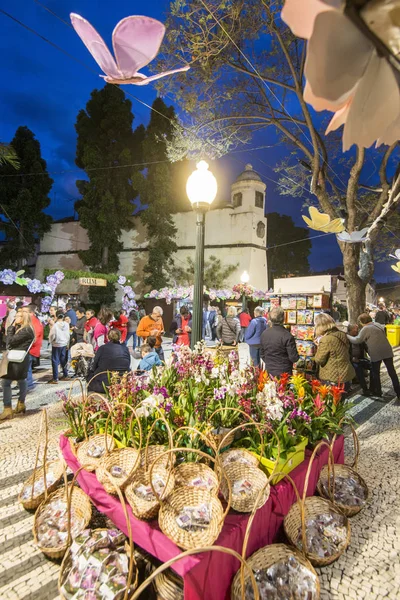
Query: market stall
[{"x": 198, "y": 454}]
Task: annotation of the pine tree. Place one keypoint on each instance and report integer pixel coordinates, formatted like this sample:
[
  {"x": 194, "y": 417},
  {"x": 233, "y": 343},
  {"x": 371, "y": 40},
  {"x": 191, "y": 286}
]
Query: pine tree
[
  {"x": 156, "y": 193},
  {"x": 23, "y": 198},
  {"x": 105, "y": 144}
]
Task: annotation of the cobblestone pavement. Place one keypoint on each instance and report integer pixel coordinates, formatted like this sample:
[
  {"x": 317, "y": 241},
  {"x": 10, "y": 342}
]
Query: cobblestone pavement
[{"x": 369, "y": 570}]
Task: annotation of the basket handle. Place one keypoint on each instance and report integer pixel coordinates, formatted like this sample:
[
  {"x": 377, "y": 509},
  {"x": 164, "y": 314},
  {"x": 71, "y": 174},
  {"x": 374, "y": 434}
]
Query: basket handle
[
  {"x": 169, "y": 432},
  {"x": 110, "y": 416},
  {"x": 231, "y": 408},
  {"x": 132, "y": 560},
  {"x": 84, "y": 398},
  {"x": 69, "y": 496},
  {"x": 251, "y": 519},
  {"x": 43, "y": 422},
  {"x": 84, "y": 408},
  {"x": 356, "y": 441},
  {"x": 203, "y": 436},
  {"x": 203, "y": 455},
  {"x": 173, "y": 560}
]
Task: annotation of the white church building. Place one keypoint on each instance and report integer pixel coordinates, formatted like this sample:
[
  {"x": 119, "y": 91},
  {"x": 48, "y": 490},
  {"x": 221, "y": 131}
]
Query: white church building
[{"x": 236, "y": 234}]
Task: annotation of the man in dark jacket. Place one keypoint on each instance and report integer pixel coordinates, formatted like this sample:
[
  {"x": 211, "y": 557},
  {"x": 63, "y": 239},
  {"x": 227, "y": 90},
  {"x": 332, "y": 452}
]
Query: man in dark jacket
[
  {"x": 358, "y": 359},
  {"x": 253, "y": 335},
  {"x": 79, "y": 329},
  {"x": 278, "y": 346},
  {"x": 109, "y": 358},
  {"x": 382, "y": 316}
]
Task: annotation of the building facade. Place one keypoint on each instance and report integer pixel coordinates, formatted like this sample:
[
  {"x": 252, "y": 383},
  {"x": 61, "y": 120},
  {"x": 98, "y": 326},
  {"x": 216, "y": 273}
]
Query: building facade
[{"x": 235, "y": 234}]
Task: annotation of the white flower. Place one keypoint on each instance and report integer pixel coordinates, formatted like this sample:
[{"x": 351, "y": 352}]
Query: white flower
[
  {"x": 355, "y": 237},
  {"x": 214, "y": 373}
]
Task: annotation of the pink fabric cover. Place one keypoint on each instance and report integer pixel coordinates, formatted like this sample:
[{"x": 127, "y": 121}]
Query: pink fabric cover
[{"x": 208, "y": 575}]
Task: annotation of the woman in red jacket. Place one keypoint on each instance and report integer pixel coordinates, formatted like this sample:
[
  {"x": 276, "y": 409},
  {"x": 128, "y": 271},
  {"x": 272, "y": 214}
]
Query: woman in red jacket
[{"x": 34, "y": 352}]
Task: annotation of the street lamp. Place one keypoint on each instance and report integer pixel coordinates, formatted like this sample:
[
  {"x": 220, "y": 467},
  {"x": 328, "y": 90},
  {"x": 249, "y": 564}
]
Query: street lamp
[
  {"x": 244, "y": 278},
  {"x": 381, "y": 299},
  {"x": 201, "y": 188}
]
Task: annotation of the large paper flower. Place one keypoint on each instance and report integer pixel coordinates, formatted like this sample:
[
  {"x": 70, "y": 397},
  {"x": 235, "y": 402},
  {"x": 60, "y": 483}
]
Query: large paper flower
[
  {"x": 396, "y": 254},
  {"x": 355, "y": 237},
  {"x": 322, "y": 222},
  {"x": 344, "y": 72}
]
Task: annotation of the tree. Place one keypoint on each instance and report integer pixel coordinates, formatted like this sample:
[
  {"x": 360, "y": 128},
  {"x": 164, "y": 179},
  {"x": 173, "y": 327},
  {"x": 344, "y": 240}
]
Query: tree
[
  {"x": 246, "y": 76},
  {"x": 216, "y": 274},
  {"x": 23, "y": 198},
  {"x": 8, "y": 156},
  {"x": 286, "y": 254},
  {"x": 106, "y": 149},
  {"x": 156, "y": 192}
]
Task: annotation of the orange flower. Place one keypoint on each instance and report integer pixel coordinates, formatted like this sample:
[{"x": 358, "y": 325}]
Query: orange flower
[
  {"x": 324, "y": 390},
  {"x": 337, "y": 392},
  {"x": 315, "y": 383},
  {"x": 284, "y": 379},
  {"x": 262, "y": 380}
]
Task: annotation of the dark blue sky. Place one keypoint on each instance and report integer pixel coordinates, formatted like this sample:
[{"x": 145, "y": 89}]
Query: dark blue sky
[{"x": 44, "y": 89}]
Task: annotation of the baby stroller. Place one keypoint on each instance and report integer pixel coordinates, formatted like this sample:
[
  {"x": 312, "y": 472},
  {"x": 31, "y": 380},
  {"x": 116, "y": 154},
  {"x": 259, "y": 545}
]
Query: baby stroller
[{"x": 82, "y": 355}]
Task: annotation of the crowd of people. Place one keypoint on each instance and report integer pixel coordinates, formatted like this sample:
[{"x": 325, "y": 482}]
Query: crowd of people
[{"x": 95, "y": 345}]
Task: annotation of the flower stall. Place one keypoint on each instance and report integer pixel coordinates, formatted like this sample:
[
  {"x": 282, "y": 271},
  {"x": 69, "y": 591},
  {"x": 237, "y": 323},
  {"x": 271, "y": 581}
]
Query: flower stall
[{"x": 201, "y": 453}]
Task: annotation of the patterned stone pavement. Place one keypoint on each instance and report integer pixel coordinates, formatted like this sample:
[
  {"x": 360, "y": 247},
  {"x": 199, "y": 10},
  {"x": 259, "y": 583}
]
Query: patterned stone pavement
[{"x": 370, "y": 569}]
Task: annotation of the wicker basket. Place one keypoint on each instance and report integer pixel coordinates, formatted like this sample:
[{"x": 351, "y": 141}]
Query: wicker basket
[
  {"x": 148, "y": 509},
  {"x": 133, "y": 569},
  {"x": 181, "y": 496},
  {"x": 91, "y": 463},
  {"x": 33, "y": 502},
  {"x": 311, "y": 507},
  {"x": 222, "y": 437},
  {"x": 78, "y": 502},
  {"x": 239, "y": 455},
  {"x": 265, "y": 558},
  {"x": 149, "y": 454},
  {"x": 185, "y": 473},
  {"x": 139, "y": 592},
  {"x": 169, "y": 586},
  {"x": 345, "y": 471},
  {"x": 258, "y": 479},
  {"x": 55, "y": 466},
  {"x": 127, "y": 459}
]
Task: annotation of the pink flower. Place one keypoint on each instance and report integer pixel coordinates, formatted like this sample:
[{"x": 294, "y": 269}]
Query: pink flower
[{"x": 344, "y": 71}]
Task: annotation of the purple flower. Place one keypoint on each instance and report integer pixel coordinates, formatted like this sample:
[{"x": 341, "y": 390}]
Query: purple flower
[
  {"x": 220, "y": 393},
  {"x": 161, "y": 390},
  {"x": 121, "y": 280},
  {"x": 34, "y": 286},
  {"x": 299, "y": 414},
  {"x": 7, "y": 276}
]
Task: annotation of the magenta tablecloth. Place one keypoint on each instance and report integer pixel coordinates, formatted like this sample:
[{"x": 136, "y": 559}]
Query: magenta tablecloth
[{"x": 207, "y": 576}]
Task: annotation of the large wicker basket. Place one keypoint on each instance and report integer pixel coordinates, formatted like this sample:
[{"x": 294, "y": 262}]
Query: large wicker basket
[
  {"x": 239, "y": 455},
  {"x": 259, "y": 481},
  {"x": 346, "y": 471},
  {"x": 169, "y": 586},
  {"x": 141, "y": 507},
  {"x": 182, "y": 496},
  {"x": 308, "y": 508},
  {"x": 127, "y": 459},
  {"x": 33, "y": 502},
  {"x": 106, "y": 441},
  {"x": 265, "y": 558},
  {"x": 80, "y": 504},
  {"x": 133, "y": 570}
]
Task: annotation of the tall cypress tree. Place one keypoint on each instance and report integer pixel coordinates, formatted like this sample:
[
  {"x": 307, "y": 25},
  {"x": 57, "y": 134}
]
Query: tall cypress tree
[
  {"x": 105, "y": 144},
  {"x": 156, "y": 192},
  {"x": 23, "y": 198}
]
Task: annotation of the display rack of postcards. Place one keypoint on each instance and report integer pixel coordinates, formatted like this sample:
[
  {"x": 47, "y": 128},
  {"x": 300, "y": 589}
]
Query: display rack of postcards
[{"x": 300, "y": 313}]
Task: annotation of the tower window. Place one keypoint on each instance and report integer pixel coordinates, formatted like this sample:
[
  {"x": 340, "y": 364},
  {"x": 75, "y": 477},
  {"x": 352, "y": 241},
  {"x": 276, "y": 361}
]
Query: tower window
[
  {"x": 260, "y": 229},
  {"x": 259, "y": 200},
  {"x": 237, "y": 199}
]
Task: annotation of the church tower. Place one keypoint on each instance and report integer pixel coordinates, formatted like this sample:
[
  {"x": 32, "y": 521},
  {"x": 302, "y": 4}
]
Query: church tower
[{"x": 250, "y": 224}]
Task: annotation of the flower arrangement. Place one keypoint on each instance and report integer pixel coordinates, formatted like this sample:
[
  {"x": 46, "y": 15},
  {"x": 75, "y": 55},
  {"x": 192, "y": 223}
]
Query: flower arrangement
[
  {"x": 235, "y": 293},
  {"x": 209, "y": 391}
]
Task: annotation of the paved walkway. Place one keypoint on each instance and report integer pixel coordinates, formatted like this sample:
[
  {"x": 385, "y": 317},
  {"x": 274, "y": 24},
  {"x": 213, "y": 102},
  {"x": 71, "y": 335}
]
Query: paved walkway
[{"x": 370, "y": 569}]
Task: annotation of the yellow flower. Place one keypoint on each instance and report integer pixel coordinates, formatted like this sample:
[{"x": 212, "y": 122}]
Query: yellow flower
[
  {"x": 297, "y": 381},
  {"x": 301, "y": 392},
  {"x": 396, "y": 267}
]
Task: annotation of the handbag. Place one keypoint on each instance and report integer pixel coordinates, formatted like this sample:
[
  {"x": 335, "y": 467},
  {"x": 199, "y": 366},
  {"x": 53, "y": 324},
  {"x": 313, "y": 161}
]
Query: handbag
[{"x": 18, "y": 356}]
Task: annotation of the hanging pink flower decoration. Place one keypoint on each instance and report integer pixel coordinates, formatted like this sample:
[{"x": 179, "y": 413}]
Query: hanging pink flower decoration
[{"x": 344, "y": 72}]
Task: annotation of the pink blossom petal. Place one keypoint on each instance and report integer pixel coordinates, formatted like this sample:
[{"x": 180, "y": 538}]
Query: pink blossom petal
[
  {"x": 337, "y": 56},
  {"x": 136, "y": 41},
  {"x": 339, "y": 118},
  {"x": 375, "y": 106},
  {"x": 300, "y": 15},
  {"x": 320, "y": 103}
]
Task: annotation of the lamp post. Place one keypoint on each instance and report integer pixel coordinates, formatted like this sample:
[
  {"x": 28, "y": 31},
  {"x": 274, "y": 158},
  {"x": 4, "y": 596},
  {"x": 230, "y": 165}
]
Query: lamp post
[
  {"x": 201, "y": 188},
  {"x": 245, "y": 278}
]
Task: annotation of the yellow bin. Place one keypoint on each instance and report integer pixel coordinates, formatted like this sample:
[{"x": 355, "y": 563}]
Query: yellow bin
[
  {"x": 294, "y": 458},
  {"x": 393, "y": 334}
]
